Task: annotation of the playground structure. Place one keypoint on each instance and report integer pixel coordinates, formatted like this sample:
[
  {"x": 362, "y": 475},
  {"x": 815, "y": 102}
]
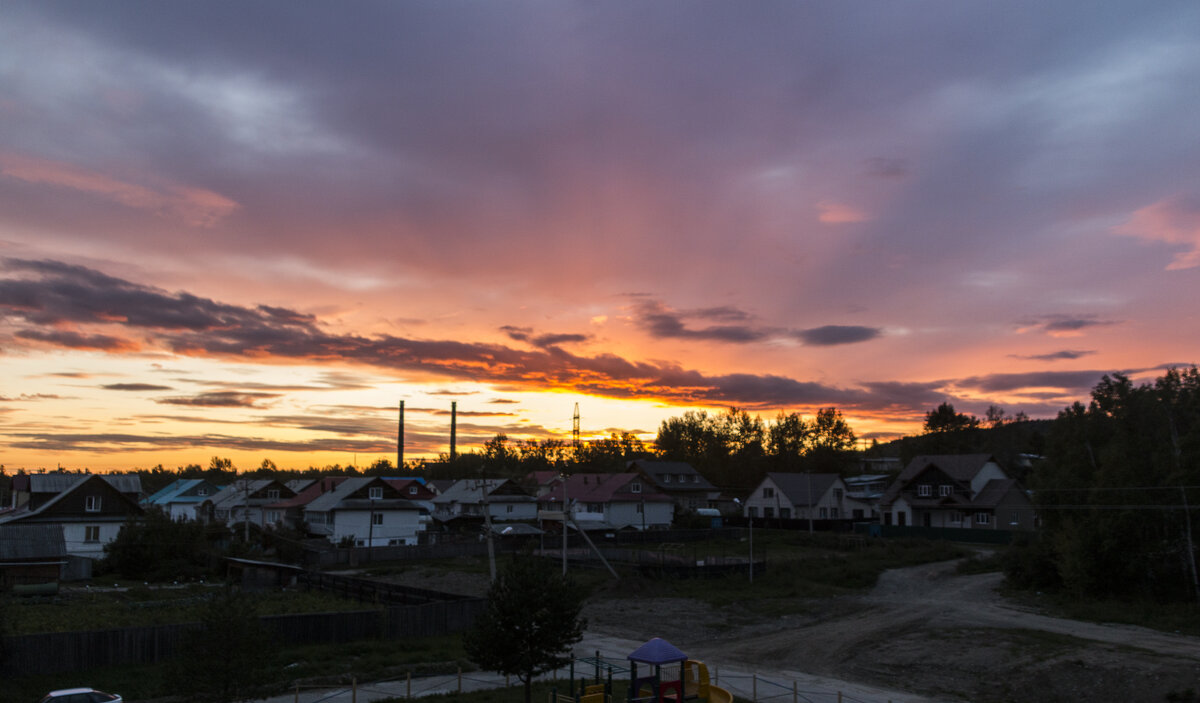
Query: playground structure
[{"x": 658, "y": 685}]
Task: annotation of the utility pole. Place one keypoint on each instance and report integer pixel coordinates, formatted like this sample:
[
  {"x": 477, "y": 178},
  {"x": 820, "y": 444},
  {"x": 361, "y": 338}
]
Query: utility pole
[
  {"x": 487, "y": 522},
  {"x": 1187, "y": 514}
]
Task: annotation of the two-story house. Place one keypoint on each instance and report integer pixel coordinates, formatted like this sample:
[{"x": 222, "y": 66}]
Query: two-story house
[
  {"x": 803, "y": 496},
  {"x": 180, "y": 499},
  {"x": 607, "y": 501},
  {"x": 969, "y": 491},
  {"x": 679, "y": 480},
  {"x": 89, "y": 509},
  {"x": 366, "y": 511}
]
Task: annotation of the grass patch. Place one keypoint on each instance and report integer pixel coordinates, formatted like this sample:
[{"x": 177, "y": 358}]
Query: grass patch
[
  {"x": 141, "y": 606},
  {"x": 800, "y": 567},
  {"x": 1176, "y": 618},
  {"x": 513, "y": 694},
  {"x": 331, "y": 665},
  {"x": 988, "y": 563}
]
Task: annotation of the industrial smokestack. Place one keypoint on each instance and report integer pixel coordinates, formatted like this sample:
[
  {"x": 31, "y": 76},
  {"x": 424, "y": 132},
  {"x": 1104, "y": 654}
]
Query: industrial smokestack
[
  {"x": 453, "y": 429},
  {"x": 400, "y": 440}
]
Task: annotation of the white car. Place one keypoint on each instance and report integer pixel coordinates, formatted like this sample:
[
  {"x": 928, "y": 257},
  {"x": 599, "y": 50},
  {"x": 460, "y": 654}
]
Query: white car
[{"x": 81, "y": 695}]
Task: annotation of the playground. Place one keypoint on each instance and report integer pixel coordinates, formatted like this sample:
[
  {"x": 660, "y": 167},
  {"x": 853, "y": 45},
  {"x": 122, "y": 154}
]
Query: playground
[{"x": 667, "y": 676}]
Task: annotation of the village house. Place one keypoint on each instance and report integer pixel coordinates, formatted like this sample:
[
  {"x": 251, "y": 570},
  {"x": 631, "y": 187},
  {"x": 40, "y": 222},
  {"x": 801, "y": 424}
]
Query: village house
[
  {"x": 89, "y": 509},
  {"x": 607, "y": 502},
  {"x": 180, "y": 499},
  {"x": 804, "y": 497},
  {"x": 966, "y": 491},
  {"x": 366, "y": 512},
  {"x": 679, "y": 480}
]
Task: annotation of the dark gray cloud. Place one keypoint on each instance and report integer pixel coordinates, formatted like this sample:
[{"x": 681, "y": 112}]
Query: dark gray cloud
[
  {"x": 1064, "y": 355},
  {"x": 660, "y": 321},
  {"x": 832, "y": 335},
  {"x": 221, "y": 399},
  {"x": 75, "y": 340},
  {"x": 1066, "y": 381},
  {"x": 1060, "y": 324},
  {"x": 134, "y": 387}
]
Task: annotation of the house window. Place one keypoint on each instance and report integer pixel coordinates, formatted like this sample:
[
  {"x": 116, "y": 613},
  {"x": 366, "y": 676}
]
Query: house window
[
  {"x": 641, "y": 508},
  {"x": 635, "y": 487},
  {"x": 833, "y": 513},
  {"x": 768, "y": 512},
  {"x": 824, "y": 513},
  {"x": 837, "y": 494},
  {"x": 91, "y": 533},
  {"x": 785, "y": 513},
  {"x": 202, "y": 492},
  {"x": 982, "y": 519},
  {"x": 945, "y": 490},
  {"x": 925, "y": 490},
  {"x": 695, "y": 478},
  {"x": 92, "y": 504},
  {"x": 595, "y": 508},
  {"x": 412, "y": 490},
  {"x": 666, "y": 478},
  {"x": 508, "y": 508},
  {"x": 272, "y": 516},
  {"x": 752, "y": 511},
  {"x": 377, "y": 519},
  {"x": 273, "y": 494},
  {"x": 360, "y": 543},
  {"x": 375, "y": 492},
  {"x": 956, "y": 518},
  {"x": 768, "y": 492}
]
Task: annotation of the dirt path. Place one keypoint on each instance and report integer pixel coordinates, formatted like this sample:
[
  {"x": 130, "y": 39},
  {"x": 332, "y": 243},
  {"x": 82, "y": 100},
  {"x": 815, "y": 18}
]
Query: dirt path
[{"x": 923, "y": 629}]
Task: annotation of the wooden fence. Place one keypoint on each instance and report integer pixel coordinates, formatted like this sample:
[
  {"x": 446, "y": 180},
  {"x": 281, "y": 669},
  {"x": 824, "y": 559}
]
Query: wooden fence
[{"x": 62, "y": 652}]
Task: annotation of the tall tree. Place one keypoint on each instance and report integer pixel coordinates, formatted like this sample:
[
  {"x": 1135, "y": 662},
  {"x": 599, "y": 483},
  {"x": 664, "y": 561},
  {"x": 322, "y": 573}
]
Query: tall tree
[{"x": 531, "y": 621}]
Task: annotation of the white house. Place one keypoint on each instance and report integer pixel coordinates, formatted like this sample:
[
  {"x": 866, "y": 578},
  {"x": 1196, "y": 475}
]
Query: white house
[
  {"x": 180, "y": 499},
  {"x": 803, "y": 496},
  {"x": 505, "y": 501},
  {"x": 609, "y": 501},
  {"x": 89, "y": 509},
  {"x": 966, "y": 491},
  {"x": 366, "y": 512}
]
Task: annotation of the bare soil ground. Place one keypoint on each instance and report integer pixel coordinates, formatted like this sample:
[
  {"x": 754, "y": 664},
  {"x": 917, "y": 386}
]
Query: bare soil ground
[{"x": 923, "y": 629}]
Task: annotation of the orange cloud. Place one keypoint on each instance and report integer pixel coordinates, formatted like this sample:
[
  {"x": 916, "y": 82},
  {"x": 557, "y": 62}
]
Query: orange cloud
[
  {"x": 195, "y": 206},
  {"x": 1174, "y": 221},
  {"x": 832, "y": 213}
]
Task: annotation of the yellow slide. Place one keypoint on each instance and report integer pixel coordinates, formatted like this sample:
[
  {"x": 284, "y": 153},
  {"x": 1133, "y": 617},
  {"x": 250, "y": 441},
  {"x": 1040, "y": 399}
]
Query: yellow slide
[{"x": 696, "y": 684}]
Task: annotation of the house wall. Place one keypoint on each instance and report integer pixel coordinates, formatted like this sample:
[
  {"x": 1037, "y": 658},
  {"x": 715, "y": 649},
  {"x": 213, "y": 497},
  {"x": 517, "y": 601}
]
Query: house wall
[
  {"x": 182, "y": 511},
  {"x": 1015, "y": 512},
  {"x": 625, "y": 514},
  {"x": 75, "y": 533},
  {"x": 990, "y": 470},
  {"x": 505, "y": 511},
  {"x": 401, "y": 525},
  {"x": 902, "y": 513}
]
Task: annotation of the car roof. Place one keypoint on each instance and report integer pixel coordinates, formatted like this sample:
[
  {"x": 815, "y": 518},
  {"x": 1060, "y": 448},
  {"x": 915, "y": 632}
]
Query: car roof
[{"x": 69, "y": 691}]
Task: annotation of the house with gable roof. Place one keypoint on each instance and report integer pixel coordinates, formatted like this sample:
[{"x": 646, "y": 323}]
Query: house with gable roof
[
  {"x": 966, "y": 491},
  {"x": 803, "y": 496},
  {"x": 89, "y": 509},
  {"x": 368, "y": 511},
  {"x": 180, "y": 499},
  {"x": 679, "y": 480},
  {"x": 246, "y": 500},
  {"x": 506, "y": 501},
  {"x": 601, "y": 501}
]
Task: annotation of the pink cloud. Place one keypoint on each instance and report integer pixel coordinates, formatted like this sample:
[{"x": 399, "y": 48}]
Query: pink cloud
[
  {"x": 1173, "y": 221},
  {"x": 195, "y": 206},
  {"x": 832, "y": 213}
]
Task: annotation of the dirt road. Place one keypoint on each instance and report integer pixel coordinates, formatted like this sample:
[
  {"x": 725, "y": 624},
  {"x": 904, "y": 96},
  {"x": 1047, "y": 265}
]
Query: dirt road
[{"x": 925, "y": 630}]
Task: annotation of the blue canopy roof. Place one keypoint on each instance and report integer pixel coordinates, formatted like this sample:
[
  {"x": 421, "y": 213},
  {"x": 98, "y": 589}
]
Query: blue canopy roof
[{"x": 657, "y": 651}]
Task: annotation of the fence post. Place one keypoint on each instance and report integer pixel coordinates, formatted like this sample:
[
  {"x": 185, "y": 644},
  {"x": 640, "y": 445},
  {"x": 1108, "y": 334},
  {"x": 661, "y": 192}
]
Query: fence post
[
  {"x": 354, "y": 690},
  {"x": 754, "y": 687},
  {"x": 795, "y": 697},
  {"x": 460, "y": 679},
  {"x": 408, "y": 686},
  {"x": 297, "y": 697}
]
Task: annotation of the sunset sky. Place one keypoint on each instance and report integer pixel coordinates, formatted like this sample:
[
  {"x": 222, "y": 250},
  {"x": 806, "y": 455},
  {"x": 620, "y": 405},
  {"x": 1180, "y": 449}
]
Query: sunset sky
[{"x": 250, "y": 229}]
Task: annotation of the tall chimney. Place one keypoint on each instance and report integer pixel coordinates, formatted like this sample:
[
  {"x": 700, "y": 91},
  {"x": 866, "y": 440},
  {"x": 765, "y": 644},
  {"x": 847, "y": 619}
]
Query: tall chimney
[
  {"x": 400, "y": 440},
  {"x": 453, "y": 429}
]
